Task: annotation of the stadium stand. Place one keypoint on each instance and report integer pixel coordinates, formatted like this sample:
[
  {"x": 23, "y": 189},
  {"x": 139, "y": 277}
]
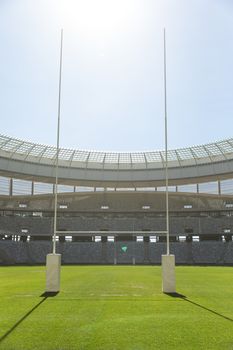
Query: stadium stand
[{"x": 115, "y": 204}]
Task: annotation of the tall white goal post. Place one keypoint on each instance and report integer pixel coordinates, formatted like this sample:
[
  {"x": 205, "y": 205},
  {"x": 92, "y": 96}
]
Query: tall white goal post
[
  {"x": 168, "y": 260},
  {"x": 53, "y": 261}
]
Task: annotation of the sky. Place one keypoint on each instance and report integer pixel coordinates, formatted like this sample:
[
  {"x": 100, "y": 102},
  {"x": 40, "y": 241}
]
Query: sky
[{"x": 112, "y": 96}]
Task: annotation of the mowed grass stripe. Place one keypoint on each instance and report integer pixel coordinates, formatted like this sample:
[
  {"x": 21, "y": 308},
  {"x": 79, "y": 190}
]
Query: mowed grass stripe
[{"x": 116, "y": 307}]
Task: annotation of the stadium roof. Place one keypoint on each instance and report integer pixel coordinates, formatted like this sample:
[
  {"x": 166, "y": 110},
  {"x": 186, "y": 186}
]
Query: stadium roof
[
  {"x": 218, "y": 155},
  {"x": 25, "y": 150}
]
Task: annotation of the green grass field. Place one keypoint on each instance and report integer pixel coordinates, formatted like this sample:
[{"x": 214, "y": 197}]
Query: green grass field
[{"x": 116, "y": 307}]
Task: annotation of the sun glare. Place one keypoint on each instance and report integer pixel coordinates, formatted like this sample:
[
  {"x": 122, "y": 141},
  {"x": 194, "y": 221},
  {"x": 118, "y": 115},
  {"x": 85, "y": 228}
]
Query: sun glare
[{"x": 92, "y": 15}]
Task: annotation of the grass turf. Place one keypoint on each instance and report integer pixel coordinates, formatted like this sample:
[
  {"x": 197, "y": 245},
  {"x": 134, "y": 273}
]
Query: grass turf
[{"x": 116, "y": 307}]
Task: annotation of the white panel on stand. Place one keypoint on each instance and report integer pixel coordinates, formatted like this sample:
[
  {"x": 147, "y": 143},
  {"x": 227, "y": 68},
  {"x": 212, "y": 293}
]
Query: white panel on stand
[
  {"x": 53, "y": 268},
  {"x": 168, "y": 274}
]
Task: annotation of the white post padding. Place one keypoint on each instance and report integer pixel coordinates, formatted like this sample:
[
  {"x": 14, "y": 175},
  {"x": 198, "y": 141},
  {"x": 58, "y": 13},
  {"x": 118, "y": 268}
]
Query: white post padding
[
  {"x": 53, "y": 269},
  {"x": 168, "y": 274}
]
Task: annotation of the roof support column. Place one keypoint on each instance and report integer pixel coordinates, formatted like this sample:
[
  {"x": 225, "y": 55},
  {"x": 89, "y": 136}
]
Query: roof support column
[
  {"x": 219, "y": 187},
  {"x": 32, "y": 189},
  {"x": 11, "y": 187}
]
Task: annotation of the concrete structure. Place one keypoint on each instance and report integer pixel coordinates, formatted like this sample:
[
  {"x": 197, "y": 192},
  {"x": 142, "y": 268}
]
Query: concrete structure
[
  {"x": 124, "y": 203},
  {"x": 36, "y": 162}
]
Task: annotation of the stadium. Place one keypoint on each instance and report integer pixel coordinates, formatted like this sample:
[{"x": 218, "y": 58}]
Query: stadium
[
  {"x": 113, "y": 250},
  {"x": 111, "y": 229},
  {"x": 111, "y": 206}
]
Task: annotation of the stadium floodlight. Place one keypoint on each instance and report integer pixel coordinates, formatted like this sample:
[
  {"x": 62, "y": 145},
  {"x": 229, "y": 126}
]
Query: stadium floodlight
[
  {"x": 168, "y": 260},
  {"x": 53, "y": 261}
]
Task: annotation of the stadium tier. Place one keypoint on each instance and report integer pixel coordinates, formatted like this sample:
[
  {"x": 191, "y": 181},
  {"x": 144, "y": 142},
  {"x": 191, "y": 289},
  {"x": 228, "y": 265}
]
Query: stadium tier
[{"x": 116, "y": 218}]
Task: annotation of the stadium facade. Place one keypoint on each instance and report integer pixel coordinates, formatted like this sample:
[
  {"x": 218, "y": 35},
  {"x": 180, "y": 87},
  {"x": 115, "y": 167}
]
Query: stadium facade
[{"x": 114, "y": 203}]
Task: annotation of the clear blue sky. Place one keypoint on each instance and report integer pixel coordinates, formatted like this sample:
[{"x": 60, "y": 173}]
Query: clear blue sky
[{"x": 112, "y": 92}]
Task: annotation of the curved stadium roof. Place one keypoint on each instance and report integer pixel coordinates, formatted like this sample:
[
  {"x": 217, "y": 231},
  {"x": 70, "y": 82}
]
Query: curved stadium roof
[
  {"x": 208, "y": 153},
  {"x": 216, "y": 159}
]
